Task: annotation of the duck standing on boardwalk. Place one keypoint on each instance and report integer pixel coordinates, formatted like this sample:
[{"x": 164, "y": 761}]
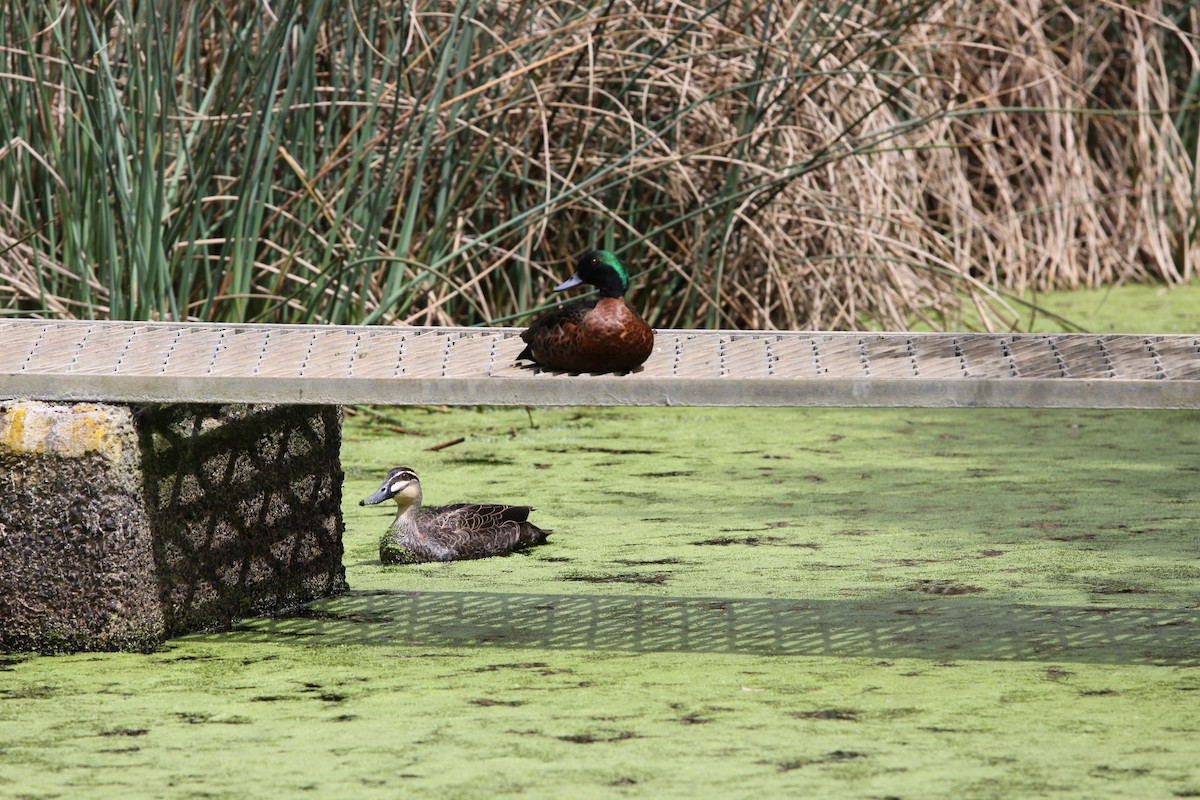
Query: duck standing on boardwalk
[
  {"x": 602, "y": 335},
  {"x": 448, "y": 533}
]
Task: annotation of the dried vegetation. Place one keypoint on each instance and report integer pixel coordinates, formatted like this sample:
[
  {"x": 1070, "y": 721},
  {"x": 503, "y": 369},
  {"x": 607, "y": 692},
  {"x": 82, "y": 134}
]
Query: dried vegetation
[{"x": 796, "y": 165}]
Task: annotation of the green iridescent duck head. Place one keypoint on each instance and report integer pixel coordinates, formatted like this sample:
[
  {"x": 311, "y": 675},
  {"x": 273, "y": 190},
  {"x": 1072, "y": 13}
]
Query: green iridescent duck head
[{"x": 601, "y": 269}]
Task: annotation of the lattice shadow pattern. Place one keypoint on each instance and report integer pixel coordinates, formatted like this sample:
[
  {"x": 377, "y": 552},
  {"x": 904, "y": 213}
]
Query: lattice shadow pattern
[
  {"x": 941, "y": 628},
  {"x": 244, "y": 503}
]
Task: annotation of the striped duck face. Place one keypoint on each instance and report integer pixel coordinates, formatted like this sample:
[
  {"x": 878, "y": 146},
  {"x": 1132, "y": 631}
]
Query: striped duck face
[
  {"x": 401, "y": 485},
  {"x": 601, "y": 269}
]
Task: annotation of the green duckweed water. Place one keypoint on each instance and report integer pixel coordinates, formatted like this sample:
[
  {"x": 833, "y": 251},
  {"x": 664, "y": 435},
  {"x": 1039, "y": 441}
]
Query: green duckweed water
[{"x": 735, "y": 603}]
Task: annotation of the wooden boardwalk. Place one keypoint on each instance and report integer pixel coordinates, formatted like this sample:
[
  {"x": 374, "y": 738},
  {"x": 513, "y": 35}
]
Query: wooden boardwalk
[{"x": 140, "y": 362}]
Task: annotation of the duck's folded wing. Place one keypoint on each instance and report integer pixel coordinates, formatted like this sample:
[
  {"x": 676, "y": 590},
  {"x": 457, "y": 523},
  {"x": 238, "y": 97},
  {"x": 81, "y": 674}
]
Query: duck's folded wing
[
  {"x": 559, "y": 322},
  {"x": 479, "y": 515},
  {"x": 474, "y": 530}
]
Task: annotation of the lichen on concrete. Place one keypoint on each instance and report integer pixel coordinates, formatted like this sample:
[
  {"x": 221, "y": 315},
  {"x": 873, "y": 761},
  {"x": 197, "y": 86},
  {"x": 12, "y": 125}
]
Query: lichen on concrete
[{"x": 66, "y": 431}]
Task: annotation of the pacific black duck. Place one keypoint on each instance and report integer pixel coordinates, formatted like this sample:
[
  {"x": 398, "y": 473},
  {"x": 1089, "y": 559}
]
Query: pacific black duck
[{"x": 448, "y": 533}]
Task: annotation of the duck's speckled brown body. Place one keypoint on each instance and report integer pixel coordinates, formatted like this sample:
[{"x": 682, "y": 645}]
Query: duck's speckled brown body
[
  {"x": 448, "y": 533},
  {"x": 602, "y": 335}
]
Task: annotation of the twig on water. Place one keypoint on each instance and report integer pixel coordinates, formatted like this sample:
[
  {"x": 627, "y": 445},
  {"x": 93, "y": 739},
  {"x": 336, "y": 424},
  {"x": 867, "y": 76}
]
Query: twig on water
[{"x": 450, "y": 443}]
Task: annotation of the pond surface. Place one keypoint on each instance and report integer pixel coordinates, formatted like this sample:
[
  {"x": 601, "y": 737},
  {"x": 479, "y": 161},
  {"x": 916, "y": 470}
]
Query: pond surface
[{"x": 734, "y": 603}]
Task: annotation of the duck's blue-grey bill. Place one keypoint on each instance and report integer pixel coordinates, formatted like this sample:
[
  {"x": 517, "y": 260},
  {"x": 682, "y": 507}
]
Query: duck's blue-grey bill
[
  {"x": 574, "y": 280},
  {"x": 378, "y": 497}
]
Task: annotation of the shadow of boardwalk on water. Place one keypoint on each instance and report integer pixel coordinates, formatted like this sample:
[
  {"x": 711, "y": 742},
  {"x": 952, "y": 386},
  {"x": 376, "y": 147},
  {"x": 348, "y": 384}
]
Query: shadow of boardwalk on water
[{"x": 938, "y": 628}]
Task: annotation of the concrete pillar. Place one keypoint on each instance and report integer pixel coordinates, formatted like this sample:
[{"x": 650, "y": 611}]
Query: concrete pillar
[{"x": 121, "y": 526}]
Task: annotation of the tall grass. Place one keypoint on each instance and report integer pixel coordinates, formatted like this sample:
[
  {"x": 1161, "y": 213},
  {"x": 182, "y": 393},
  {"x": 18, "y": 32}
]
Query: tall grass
[{"x": 756, "y": 164}]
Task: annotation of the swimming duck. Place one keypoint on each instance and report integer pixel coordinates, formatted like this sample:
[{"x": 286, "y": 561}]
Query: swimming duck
[
  {"x": 602, "y": 335},
  {"x": 448, "y": 533}
]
